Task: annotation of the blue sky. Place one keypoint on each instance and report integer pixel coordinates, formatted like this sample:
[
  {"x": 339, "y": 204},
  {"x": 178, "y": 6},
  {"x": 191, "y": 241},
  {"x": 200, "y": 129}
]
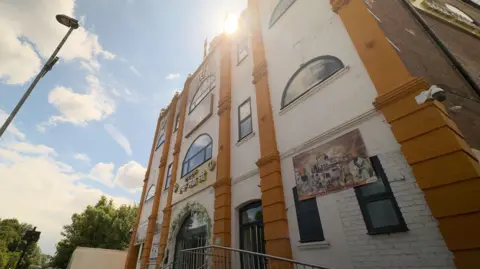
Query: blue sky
[{"x": 87, "y": 128}]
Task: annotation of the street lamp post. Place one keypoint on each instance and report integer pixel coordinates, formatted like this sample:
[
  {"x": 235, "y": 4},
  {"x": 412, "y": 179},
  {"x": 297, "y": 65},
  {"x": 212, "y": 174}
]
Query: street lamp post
[
  {"x": 31, "y": 237},
  {"x": 72, "y": 24}
]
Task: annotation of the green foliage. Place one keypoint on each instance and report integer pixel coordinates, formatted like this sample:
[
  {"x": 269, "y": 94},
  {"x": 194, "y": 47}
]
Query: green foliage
[
  {"x": 11, "y": 245},
  {"x": 99, "y": 226}
]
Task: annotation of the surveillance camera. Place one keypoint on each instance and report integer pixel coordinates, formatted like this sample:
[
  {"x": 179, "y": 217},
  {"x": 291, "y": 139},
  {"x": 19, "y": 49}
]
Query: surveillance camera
[{"x": 433, "y": 93}]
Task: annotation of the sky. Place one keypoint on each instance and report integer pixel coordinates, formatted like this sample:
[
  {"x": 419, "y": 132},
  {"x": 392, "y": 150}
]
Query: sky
[{"x": 87, "y": 128}]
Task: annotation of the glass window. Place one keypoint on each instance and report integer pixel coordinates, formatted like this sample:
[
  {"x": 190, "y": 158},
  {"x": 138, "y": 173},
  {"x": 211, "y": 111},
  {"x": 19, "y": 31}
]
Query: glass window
[
  {"x": 242, "y": 50},
  {"x": 244, "y": 119},
  {"x": 252, "y": 235},
  {"x": 199, "y": 152},
  {"x": 459, "y": 12},
  {"x": 308, "y": 219},
  {"x": 161, "y": 139},
  {"x": 169, "y": 176},
  {"x": 378, "y": 205},
  {"x": 310, "y": 75},
  {"x": 203, "y": 90},
  {"x": 252, "y": 214},
  {"x": 279, "y": 10},
  {"x": 177, "y": 120},
  {"x": 150, "y": 193}
]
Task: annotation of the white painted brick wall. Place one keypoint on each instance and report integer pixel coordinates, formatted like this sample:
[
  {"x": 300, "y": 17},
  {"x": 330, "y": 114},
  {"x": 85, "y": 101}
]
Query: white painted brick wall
[{"x": 421, "y": 247}]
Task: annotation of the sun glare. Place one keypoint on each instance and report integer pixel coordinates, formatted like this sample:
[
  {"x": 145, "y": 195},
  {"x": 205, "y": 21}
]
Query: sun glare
[{"x": 230, "y": 24}]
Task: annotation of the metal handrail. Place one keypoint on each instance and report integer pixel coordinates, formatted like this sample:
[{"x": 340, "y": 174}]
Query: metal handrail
[{"x": 213, "y": 256}]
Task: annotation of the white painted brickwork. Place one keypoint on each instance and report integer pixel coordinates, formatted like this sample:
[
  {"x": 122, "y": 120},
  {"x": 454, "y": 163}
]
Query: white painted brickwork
[{"x": 421, "y": 247}]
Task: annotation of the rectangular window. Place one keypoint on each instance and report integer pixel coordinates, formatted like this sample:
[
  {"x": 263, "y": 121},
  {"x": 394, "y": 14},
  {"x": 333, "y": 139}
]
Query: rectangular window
[
  {"x": 242, "y": 50},
  {"x": 244, "y": 119},
  {"x": 160, "y": 141},
  {"x": 378, "y": 205},
  {"x": 308, "y": 219},
  {"x": 177, "y": 119},
  {"x": 169, "y": 176},
  {"x": 140, "y": 253}
]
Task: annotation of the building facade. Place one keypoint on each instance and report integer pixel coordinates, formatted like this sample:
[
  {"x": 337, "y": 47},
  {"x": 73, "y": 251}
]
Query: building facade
[{"x": 299, "y": 136}]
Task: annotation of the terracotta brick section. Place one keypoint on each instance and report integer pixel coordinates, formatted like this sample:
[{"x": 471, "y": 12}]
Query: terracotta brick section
[
  {"x": 423, "y": 58},
  {"x": 458, "y": 221}
]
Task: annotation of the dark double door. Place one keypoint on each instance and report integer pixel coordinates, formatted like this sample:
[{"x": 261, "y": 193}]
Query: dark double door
[{"x": 252, "y": 237}]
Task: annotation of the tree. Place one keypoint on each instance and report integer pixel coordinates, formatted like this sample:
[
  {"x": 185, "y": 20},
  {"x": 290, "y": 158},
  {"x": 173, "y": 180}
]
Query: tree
[
  {"x": 11, "y": 245},
  {"x": 99, "y": 226}
]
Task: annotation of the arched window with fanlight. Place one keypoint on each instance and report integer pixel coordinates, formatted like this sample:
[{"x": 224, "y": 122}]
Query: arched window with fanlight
[
  {"x": 279, "y": 10},
  {"x": 310, "y": 75},
  {"x": 150, "y": 192},
  {"x": 199, "y": 152},
  {"x": 206, "y": 86}
]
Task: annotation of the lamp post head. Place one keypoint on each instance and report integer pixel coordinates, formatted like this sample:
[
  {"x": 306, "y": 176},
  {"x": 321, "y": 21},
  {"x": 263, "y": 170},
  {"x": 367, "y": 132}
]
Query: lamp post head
[{"x": 67, "y": 21}]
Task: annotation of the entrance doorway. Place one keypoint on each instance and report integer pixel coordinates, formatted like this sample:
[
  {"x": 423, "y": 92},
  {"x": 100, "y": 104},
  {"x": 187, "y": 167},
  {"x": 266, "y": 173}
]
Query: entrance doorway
[
  {"x": 192, "y": 234},
  {"x": 251, "y": 234}
]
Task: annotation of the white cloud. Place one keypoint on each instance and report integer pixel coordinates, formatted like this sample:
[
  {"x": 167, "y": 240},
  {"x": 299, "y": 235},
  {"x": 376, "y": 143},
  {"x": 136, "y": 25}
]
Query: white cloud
[
  {"x": 33, "y": 22},
  {"x": 27, "y": 148},
  {"x": 82, "y": 157},
  {"x": 46, "y": 192},
  {"x": 103, "y": 172},
  {"x": 134, "y": 70},
  {"x": 172, "y": 76},
  {"x": 119, "y": 138},
  {"x": 130, "y": 176},
  {"x": 79, "y": 108},
  {"x": 12, "y": 129}
]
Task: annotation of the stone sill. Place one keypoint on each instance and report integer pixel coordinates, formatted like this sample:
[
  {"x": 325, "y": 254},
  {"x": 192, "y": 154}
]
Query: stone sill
[{"x": 313, "y": 245}]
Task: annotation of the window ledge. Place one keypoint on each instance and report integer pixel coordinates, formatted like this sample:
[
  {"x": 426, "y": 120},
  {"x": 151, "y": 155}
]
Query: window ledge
[
  {"x": 245, "y": 139},
  {"x": 313, "y": 90},
  {"x": 313, "y": 245}
]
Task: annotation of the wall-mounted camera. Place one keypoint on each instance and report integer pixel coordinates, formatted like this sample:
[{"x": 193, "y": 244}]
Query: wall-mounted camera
[{"x": 433, "y": 93}]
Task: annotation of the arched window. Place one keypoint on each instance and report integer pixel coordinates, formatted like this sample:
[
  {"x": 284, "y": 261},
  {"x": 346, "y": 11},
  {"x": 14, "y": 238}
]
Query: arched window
[
  {"x": 279, "y": 10},
  {"x": 310, "y": 75},
  {"x": 199, "y": 152},
  {"x": 205, "y": 87},
  {"x": 150, "y": 192},
  {"x": 455, "y": 10}
]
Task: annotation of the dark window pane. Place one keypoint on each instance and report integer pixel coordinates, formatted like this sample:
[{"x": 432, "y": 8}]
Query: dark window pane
[
  {"x": 196, "y": 160},
  {"x": 245, "y": 127},
  {"x": 169, "y": 171},
  {"x": 150, "y": 193},
  {"x": 161, "y": 139},
  {"x": 309, "y": 75},
  {"x": 185, "y": 168},
  {"x": 244, "y": 110},
  {"x": 198, "y": 145},
  {"x": 279, "y": 10},
  {"x": 382, "y": 213},
  {"x": 252, "y": 215},
  {"x": 200, "y": 151},
  {"x": 208, "y": 153},
  {"x": 373, "y": 188},
  {"x": 177, "y": 120},
  {"x": 308, "y": 218},
  {"x": 205, "y": 87}
]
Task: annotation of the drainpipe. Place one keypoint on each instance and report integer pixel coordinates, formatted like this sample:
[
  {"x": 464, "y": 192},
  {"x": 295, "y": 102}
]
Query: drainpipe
[{"x": 455, "y": 63}]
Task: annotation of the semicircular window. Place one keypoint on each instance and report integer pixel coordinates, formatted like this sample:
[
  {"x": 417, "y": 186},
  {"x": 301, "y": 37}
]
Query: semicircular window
[
  {"x": 310, "y": 75},
  {"x": 460, "y": 13},
  {"x": 206, "y": 86},
  {"x": 279, "y": 10},
  {"x": 199, "y": 152},
  {"x": 150, "y": 193}
]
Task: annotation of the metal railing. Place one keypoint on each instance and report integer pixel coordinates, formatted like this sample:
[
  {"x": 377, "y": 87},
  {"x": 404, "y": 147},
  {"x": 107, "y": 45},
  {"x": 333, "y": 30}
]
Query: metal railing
[{"x": 218, "y": 257}]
